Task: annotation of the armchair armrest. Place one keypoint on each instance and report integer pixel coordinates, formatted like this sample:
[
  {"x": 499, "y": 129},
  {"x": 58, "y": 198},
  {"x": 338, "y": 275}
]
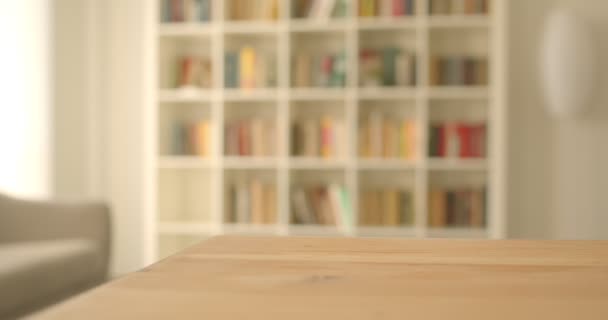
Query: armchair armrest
[{"x": 25, "y": 220}]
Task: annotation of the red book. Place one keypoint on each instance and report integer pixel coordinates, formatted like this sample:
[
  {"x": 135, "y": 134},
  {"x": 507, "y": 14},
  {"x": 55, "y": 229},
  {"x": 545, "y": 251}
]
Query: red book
[
  {"x": 464, "y": 136},
  {"x": 442, "y": 146},
  {"x": 398, "y": 7},
  {"x": 177, "y": 10},
  {"x": 326, "y": 67},
  {"x": 244, "y": 139}
]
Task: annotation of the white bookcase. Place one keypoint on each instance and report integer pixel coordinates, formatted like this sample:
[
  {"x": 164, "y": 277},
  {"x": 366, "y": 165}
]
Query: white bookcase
[{"x": 189, "y": 196}]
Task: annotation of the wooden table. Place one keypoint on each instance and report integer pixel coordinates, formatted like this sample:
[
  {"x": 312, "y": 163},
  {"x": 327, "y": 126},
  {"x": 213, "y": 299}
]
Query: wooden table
[{"x": 337, "y": 278}]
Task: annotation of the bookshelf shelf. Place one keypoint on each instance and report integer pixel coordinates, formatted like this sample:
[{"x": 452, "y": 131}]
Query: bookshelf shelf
[
  {"x": 309, "y": 89},
  {"x": 457, "y": 164},
  {"x": 185, "y": 95},
  {"x": 388, "y": 23},
  {"x": 184, "y": 162},
  {"x": 183, "y": 29},
  {"x": 459, "y": 21}
]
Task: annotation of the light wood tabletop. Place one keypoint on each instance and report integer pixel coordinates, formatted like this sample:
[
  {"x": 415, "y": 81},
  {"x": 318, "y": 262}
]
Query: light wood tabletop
[{"x": 349, "y": 278}]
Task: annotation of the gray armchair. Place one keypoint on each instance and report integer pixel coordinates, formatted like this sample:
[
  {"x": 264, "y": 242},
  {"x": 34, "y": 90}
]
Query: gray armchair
[{"x": 49, "y": 251}]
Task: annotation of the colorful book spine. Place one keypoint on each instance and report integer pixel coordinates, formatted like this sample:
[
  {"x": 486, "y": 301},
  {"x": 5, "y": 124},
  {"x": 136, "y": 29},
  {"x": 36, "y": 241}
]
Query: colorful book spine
[
  {"x": 231, "y": 74},
  {"x": 322, "y": 204},
  {"x": 247, "y": 64},
  {"x": 391, "y": 206},
  {"x": 458, "y": 140},
  {"x": 457, "y": 207}
]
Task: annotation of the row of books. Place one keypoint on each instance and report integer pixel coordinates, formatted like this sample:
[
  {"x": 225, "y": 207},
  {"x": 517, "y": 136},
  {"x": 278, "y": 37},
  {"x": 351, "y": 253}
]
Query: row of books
[
  {"x": 251, "y": 202},
  {"x": 462, "y": 207},
  {"x": 324, "y": 137},
  {"x": 388, "y": 207},
  {"x": 458, "y": 140},
  {"x": 319, "y": 9},
  {"x": 323, "y": 205},
  {"x": 326, "y": 70},
  {"x": 192, "y": 138},
  {"x": 458, "y": 70},
  {"x": 253, "y": 9},
  {"x": 383, "y": 136},
  {"x": 194, "y": 72},
  {"x": 186, "y": 10},
  {"x": 386, "y": 8},
  {"x": 387, "y": 67},
  {"x": 249, "y": 68},
  {"x": 447, "y": 7},
  {"x": 250, "y": 137}
]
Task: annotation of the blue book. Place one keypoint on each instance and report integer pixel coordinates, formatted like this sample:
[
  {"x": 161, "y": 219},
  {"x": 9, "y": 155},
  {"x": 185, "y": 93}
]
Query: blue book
[
  {"x": 166, "y": 11},
  {"x": 204, "y": 10},
  {"x": 231, "y": 70}
]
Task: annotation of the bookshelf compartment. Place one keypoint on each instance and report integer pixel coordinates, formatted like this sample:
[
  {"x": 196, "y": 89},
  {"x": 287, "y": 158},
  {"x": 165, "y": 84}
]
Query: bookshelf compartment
[
  {"x": 457, "y": 200},
  {"x": 250, "y": 61},
  {"x": 252, "y": 10},
  {"x": 387, "y": 58},
  {"x": 387, "y": 199},
  {"x": 388, "y": 130},
  {"x": 321, "y": 198},
  {"x": 186, "y": 130},
  {"x": 318, "y": 59},
  {"x": 319, "y": 11},
  {"x": 185, "y": 195},
  {"x": 185, "y": 63},
  {"x": 251, "y": 129},
  {"x": 387, "y": 9},
  {"x": 318, "y": 130},
  {"x": 251, "y": 197},
  {"x": 459, "y": 58}
]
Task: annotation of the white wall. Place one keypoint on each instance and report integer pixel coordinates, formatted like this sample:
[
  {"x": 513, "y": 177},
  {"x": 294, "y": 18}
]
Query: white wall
[
  {"x": 558, "y": 184},
  {"x": 25, "y": 98}
]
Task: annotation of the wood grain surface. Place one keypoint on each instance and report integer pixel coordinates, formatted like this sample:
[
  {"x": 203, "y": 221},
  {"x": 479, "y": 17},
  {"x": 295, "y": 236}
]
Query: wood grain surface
[{"x": 342, "y": 278}]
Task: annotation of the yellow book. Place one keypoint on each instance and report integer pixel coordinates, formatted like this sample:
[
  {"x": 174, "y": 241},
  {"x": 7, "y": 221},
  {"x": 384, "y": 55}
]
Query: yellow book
[
  {"x": 203, "y": 138},
  {"x": 411, "y": 140},
  {"x": 270, "y": 204},
  {"x": 403, "y": 141},
  {"x": 256, "y": 198},
  {"x": 364, "y": 142},
  {"x": 247, "y": 67},
  {"x": 391, "y": 207}
]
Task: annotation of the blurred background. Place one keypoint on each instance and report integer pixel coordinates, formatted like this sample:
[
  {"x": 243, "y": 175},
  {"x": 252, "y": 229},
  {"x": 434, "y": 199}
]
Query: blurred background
[{"x": 405, "y": 118}]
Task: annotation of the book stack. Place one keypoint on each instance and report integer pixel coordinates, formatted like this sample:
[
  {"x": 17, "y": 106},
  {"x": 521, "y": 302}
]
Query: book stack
[
  {"x": 386, "y": 207},
  {"x": 382, "y": 136},
  {"x": 319, "y": 9},
  {"x": 322, "y": 137},
  {"x": 387, "y": 67},
  {"x": 253, "y": 10},
  {"x": 458, "y": 71},
  {"x": 186, "y": 10},
  {"x": 250, "y": 137},
  {"x": 194, "y": 72},
  {"x": 192, "y": 138},
  {"x": 328, "y": 70},
  {"x": 251, "y": 202},
  {"x": 324, "y": 205},
  {"x": 249, "y": 68},
  {"x": 386, "y": 8},
  {"x": 457, "y": 140},
  {"x": 460, "y": 207},
  {"x": 450, "y": 7}
]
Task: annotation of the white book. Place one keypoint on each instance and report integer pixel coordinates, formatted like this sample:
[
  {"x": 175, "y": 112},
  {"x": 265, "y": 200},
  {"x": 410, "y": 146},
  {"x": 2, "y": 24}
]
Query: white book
[
  {"x": 324, "y": 9},
  {"x": 404, "y": 66},
  {"x": 386, "y": 8},
  {"x": 190, "y": 10}
]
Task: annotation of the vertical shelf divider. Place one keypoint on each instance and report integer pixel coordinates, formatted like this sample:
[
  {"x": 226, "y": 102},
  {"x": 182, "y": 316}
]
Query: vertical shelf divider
[
  {"x": 352, "y": 112},
  {"x": 217, "y": 45},
  {"x": 284, "y": 70},
  {"x": 422, "y": 114}
]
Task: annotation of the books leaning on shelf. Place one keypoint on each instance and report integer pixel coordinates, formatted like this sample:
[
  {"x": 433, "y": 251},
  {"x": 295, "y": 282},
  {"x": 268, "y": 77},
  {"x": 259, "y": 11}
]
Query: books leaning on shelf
[
  {"x": 457, "y": 207},
  {"x": 194, "y": 72},
  {"x": 328, "y": 70},
  {"x": 386, "y": 8},
  {"x": 186, "y": 10},
  {"x": 249, "y": 68},
  {"x": 386, "y": 207},
  {"x": 387, "y": 67},
  {"x": 382, "y": 136},
  {"x": 322, "y": 137},
  {"x": 323, "y": 205},
  {"x": 458, "y": 140},
  {"x": 252, "y": 9},
  {"x": 319, "y": 9},
  {"x": 448, "y": 7},
  {"x": 192, "y": 138},
  {"x": 250, "y": 137},
  {"x": 251, "y": 202},
  {"x": 458, "y": 71}
]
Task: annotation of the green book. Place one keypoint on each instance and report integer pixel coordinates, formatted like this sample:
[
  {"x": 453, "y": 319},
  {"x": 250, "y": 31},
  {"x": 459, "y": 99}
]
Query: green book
[
  {"x": 347, "y": 210},
  {"x": 338, "y": 73},
  {"x": 389, "y": 59}
]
